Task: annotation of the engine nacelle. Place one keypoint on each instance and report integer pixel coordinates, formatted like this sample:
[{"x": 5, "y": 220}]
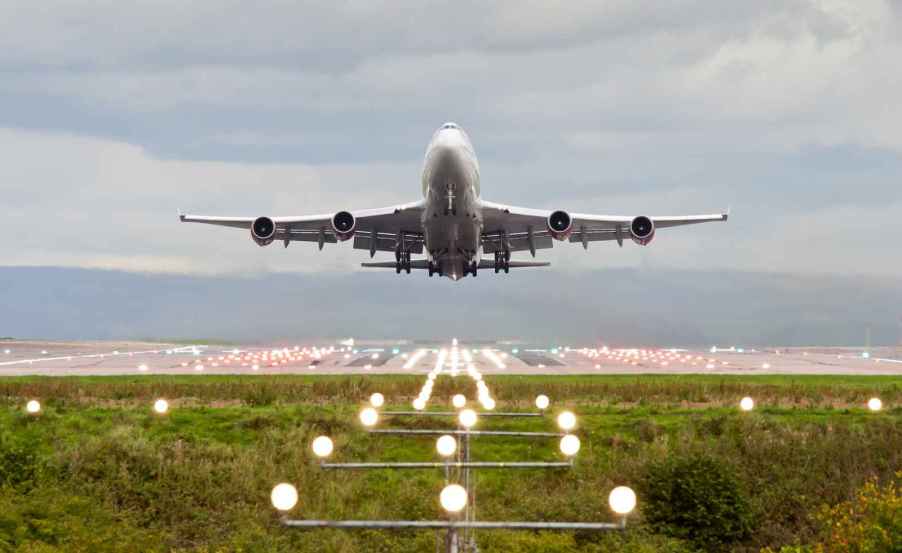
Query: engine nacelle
[
  {"x": 263, "y": 231},
  {"x": 343, "y": 225},
  {"x": 560, "y": 225},
  {"x": 642, "y": 230}
]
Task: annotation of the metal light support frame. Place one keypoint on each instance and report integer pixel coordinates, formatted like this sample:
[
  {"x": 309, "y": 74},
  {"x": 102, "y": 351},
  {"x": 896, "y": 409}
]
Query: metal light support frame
[{"x": 460, "y": 535}]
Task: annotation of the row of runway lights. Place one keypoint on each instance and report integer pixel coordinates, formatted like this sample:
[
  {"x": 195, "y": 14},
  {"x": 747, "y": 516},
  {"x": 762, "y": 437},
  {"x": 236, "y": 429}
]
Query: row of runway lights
[
  {"x": 453, "y": 498},
  {"x": 369, "y": 416},
  {"x": 659, "y": 357}
]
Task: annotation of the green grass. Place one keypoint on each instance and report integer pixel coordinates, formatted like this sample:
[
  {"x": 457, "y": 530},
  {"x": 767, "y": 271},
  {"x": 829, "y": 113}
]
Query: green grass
[{"x": 97, "y": 471}]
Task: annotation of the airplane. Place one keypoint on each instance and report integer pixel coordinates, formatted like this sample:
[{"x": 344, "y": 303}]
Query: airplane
[{"x": 452, "y": 224}]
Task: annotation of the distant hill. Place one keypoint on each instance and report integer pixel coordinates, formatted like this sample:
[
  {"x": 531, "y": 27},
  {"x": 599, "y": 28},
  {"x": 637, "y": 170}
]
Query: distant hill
[{"x": 618, "y": 306}]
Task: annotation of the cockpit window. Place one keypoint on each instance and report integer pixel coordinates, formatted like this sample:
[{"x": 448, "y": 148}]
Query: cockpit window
[{"x": 449, "y": 126}]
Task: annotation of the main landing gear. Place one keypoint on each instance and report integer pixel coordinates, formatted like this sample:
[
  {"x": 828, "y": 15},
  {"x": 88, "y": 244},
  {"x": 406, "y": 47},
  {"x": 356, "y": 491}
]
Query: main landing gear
[
  {"x": 502, "y": 261},
  {"x": 471, "y": 268},
  {"x": 402, "y": 261}
]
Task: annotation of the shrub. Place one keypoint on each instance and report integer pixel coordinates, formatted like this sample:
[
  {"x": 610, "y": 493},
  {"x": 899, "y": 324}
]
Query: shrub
[
  {"x": 20, "y": 464},
  {"x": 872, "y": 522},
  {"x": 696, "y": 498}
]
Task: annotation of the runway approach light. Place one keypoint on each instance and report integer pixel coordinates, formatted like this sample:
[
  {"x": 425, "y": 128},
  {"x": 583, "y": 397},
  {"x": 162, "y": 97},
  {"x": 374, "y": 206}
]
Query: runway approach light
[
  {"x": 570, "y": 445},
  {"x": 467, "y": 418},
  {"x": 377, "y": 400},
  {"x": 446, "y": 445},
  {"x": 33, "y": 407},
  {"x": 142, "y": 368},
  {"x": 458, "y": 401},
  {"x": 489, "y": 404},
  {"x": 566, "y": 421},
  {"x": 622, "y": 500},
  {"x": 453, "y": 498},
  {"x": 747, "y": 404},
  {"x": 542, "y": 402},
  {"x": 322, "y": 447},
  {"x": 874, "y": 404},
  {"x": 284, "y": 497},
  {"x": 161, "y": 406},
  {"x": 369, "y": 416}
]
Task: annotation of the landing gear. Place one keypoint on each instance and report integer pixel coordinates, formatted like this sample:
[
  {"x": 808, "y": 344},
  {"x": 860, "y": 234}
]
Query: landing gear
[
  {"x": 471, "y": 268},
  {"x": 502, "y": 261},
  {"x": 402, "y": 261}
]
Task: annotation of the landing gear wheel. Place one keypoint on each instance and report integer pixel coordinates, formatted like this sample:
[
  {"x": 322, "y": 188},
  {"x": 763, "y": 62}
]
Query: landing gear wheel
[{"x": 473, "y": 268}]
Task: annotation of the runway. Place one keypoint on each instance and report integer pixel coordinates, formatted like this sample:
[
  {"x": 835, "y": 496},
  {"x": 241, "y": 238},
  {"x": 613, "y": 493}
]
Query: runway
[{"x": 18, "y": 358}]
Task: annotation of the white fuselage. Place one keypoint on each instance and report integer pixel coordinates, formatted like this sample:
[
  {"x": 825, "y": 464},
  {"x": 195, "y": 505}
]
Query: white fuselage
[{"x": 452, "y": 220}]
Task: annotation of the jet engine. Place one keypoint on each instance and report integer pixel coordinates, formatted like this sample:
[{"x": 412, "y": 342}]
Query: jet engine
[
  {"x": 263, "y": 231},
  {"x": 343, "y": 224},
  {"x": 560, "y": 225},
  {"x": 642, "y": 230}
]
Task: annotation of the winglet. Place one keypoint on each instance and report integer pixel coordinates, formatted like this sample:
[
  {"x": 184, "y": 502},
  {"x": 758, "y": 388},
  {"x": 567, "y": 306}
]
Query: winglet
[
  {"x": 727, "y": 214},
  {"x": 181, "y": 216}
]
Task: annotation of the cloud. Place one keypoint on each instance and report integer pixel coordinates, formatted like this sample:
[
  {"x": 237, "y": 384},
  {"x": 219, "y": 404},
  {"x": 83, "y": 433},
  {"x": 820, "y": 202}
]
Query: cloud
[{"x": 113, "y": 116}]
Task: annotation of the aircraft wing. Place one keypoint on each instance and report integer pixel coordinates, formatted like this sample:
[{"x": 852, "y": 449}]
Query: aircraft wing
[
  {"x": 527, "y": 229},
  {"x": 375, "y": 229}
]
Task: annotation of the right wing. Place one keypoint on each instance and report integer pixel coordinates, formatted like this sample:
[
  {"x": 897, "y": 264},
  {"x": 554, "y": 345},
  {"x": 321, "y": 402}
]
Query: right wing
[
  {"x": 375, "y": 229},
  {"x": 525, "y": 228}
]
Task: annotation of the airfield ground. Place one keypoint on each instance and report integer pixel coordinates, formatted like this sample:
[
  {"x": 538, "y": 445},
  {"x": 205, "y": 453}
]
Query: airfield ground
[
  {"x": 98, "y": 470},
  {"x": 122, "y": 358}
]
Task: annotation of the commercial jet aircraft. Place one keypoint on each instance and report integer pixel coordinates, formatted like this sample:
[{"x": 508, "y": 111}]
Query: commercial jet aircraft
[{"x": 452, "y": 225}]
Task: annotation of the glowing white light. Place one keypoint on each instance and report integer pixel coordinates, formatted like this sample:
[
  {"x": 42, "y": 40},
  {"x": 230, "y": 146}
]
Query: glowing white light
[
  {"x": 142, "y": 368},
  {"x": 467, "y": 418},
  {"x": 284, "y": 497},
  {"x": 369, "y": 417},
  {"x": 765, "y": 366},
  {"x": 198, "y": 367},
  {"x": 446, "y": 445},
  {"x": 566, "y": 421},
  {"x": 33, "y": 407},
  {"x": 622, "y": 500},
  {"x": 542, "y": 401},
  {"x": 874, "y": 404},
  {"x": 419, "y": 404},
  {"x": 377, "y": 400},
  {"x": 255, "y": 367},
  {"x": 488, "y": 403},
  {"x": 322, "y": 446},
  {"x": 570, "y": 445},
  {"x": 7, "y": 352},
  {"x": 458, "y": 401},
  {"x": 865, "y": 355},
  {"x": 747, "y": 404},
  {"x": 453, "y": 498}
]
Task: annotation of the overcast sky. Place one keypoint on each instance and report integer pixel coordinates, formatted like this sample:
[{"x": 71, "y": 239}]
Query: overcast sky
[{"x": 113, "y": 115}]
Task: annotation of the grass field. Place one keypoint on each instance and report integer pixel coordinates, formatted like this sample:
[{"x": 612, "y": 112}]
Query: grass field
[{"x": 98, "y": 471}]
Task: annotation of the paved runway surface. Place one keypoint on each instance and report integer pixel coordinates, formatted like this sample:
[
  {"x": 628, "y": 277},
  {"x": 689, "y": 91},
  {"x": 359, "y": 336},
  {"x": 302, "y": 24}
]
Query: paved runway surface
[{"x": 123, "y": 358}]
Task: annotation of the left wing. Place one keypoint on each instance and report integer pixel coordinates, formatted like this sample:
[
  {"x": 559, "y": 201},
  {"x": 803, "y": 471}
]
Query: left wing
[
  {"x": 530, "y": 229},
  {"x": 378, "y": 229}
]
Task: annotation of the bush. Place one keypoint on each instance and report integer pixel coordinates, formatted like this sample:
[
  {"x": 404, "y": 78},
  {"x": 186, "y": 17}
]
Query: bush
[
  {"x": 696, "y": 498},
  {"x": 20, "y": 464},
  {"x": 872, "y": 522}
]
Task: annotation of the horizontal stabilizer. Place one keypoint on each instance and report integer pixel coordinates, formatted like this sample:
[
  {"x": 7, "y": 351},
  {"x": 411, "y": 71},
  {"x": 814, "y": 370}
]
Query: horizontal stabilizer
[
  {"x": 422, "y": 264},
  {"x": 486, "y": 264}
]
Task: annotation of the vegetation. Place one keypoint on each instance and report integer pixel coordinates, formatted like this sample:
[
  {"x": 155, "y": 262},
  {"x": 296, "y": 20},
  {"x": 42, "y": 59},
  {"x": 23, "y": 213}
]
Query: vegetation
[
  {"x": 98, "y": 471},
  {"x": 696, "y": 498}
]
